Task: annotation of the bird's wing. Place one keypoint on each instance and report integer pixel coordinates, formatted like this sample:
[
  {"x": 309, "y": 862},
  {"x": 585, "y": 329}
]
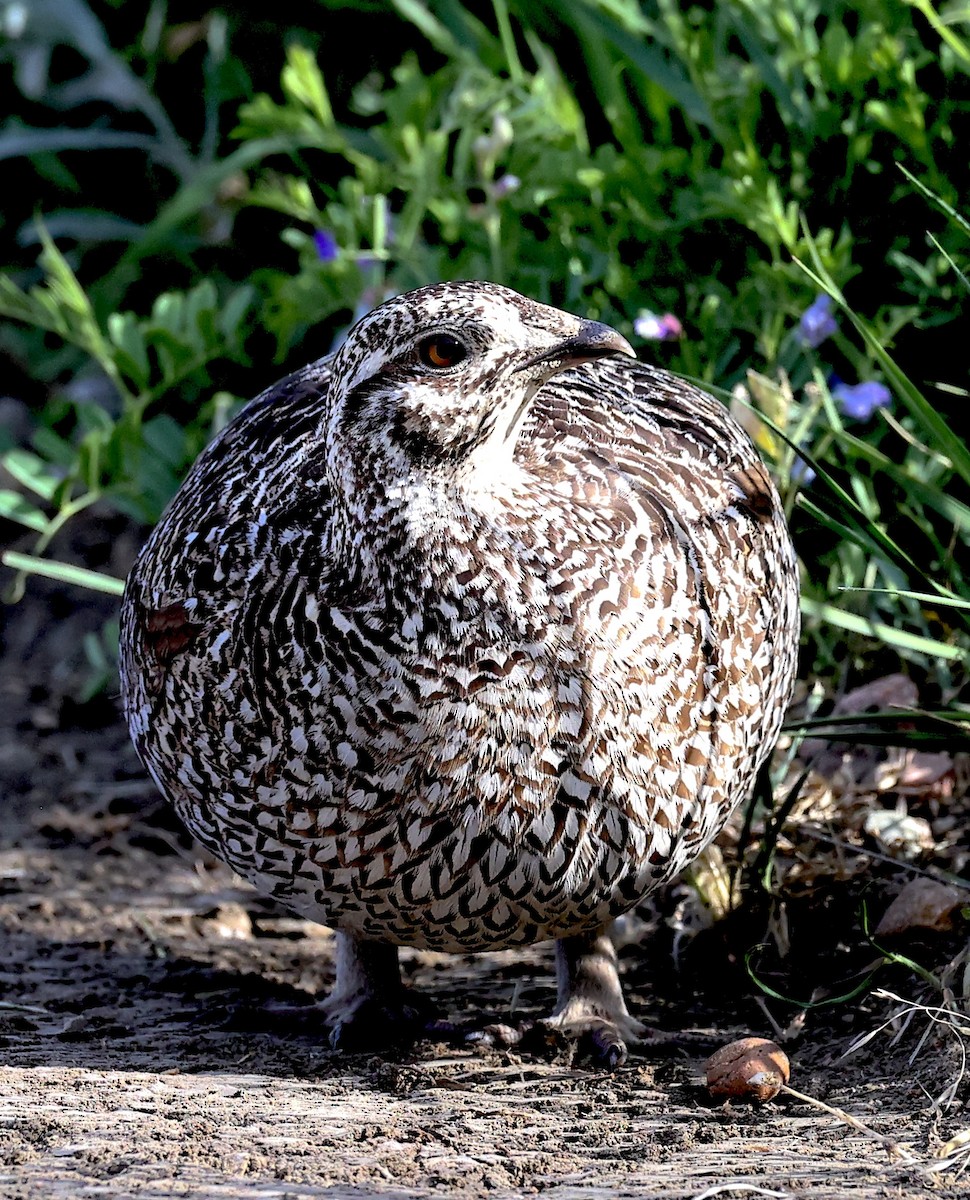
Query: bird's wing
[
  {"x": 195, "y": 571},
  {"x": 712, "y": 595}
]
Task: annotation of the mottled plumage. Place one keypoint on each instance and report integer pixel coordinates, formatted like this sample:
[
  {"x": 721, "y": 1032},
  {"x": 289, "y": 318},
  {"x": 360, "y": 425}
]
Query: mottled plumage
[{"x": 466, "y": 636}]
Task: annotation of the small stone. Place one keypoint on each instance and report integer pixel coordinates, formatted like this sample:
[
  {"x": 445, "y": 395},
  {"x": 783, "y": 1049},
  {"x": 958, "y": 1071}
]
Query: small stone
[{"x": 922, "y": 904}]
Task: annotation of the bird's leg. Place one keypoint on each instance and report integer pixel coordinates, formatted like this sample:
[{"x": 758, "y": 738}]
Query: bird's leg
[
  {"x": 365, "y": 971},
  {"x": 369, "y": 1006},
  {"x": 590, "y": 1008}
]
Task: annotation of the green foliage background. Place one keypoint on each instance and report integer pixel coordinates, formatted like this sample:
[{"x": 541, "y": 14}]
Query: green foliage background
[{"x": 169, "y": 180}]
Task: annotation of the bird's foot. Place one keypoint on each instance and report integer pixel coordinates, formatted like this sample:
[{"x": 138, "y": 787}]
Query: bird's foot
[
  {"x": 359, "y": 1022},
  {"x": 595, "y": 1036},
  {"x": 363, "y": 1021},
  {"x": 570, "y": 1037},
  {"x": 591, "y": 1015},
  {"x": 369, "y": 1007},
  {"x": 590, "y": 1025}
]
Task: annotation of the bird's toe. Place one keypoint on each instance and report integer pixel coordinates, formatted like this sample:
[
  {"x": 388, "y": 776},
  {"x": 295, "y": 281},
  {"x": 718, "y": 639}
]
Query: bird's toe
[
  {"x": 375, "y": 1023},
  {"x": 498, "y": 1035},
  {"x": 593, "y": 1038}
]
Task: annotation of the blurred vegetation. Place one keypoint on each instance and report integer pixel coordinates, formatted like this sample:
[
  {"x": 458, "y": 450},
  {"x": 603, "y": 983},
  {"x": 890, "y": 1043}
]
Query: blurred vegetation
[{"x": 195, "y": 205}]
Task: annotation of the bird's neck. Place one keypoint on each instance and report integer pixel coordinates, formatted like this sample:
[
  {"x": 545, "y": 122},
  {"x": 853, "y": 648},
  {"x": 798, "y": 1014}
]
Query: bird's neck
[{"x": 434, "y": 529}]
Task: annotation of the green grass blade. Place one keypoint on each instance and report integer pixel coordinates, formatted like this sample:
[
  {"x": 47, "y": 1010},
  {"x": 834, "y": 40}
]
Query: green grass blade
[
  {"x": 922, "y": 597},
  {"x": 858, "y": 536},
  {"x": 64, "y": 573},
  {"x": 805, "y": 1004},
  {"x": 950, "y": 259},
  {"x": 596, "y": 28},
  {"x": 421, "y": 17},
  {"x": 899, "y": 639},
  {"x": 874, "y": 538},
  {"x": 942, "y": 28},
  {"x": 944, "y": 729},
  {"x": 953, "y": 447},
  {"x": 955, "y": 511}
]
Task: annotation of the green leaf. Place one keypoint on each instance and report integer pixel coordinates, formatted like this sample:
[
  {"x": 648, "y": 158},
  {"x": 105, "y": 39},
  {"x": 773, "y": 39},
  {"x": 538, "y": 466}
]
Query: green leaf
[
  {"x": 15, "y": 508},
  {"x": 31, "y": 472},
  {"x": 303, "y": 81},
  {"x": 60, "y": 454},
  {"x": 165, "y": 438},
  {"x": 131, "y": 351},
  {"x": 61, "y": 306},
  {"x": 233, "y": 311},
  {"x": 792, "y": 104}
]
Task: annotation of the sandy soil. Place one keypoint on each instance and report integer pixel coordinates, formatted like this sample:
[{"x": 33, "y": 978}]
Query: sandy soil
[{"x": 142, "y": 1052}]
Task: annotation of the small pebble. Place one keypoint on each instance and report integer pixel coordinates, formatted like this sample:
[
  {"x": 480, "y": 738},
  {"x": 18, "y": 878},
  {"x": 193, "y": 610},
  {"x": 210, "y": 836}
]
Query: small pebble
[{"x": 922, "y": 904}]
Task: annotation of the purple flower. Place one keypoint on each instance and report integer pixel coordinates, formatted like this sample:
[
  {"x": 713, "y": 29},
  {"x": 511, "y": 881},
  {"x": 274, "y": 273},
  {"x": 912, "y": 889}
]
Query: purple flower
[
  {"x": 861, "y": 400},
  {"x": 505, "y": 186},
  {"x": 326, "y": 244},
  {"x": 817, "y": 322},
  {"x": 652, "y": 328},
  {"x": 801, "y": 473}
]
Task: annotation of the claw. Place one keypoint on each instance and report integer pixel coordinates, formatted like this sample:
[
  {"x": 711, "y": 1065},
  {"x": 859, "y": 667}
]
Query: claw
[
  {"x": 499, "y": 1035},
  {"x": 591, "y": 1013},
  {"x": 369, "y": 1008},
  {"x": 373, "y": 1024},
  {"x": 604, "y": 1047}
]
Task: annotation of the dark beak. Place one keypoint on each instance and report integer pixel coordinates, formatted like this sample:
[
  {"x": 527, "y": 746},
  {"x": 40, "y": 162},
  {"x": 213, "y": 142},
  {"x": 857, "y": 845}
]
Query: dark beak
[{"x": 594, "y": 340}]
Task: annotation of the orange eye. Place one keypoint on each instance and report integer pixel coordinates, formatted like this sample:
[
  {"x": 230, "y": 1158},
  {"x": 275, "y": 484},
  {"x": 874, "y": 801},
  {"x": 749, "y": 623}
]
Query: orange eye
[{"x": 442, "y": 351}]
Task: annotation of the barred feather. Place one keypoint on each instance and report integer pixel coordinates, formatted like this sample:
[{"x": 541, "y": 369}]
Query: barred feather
[{"x": 464, "y": 659}]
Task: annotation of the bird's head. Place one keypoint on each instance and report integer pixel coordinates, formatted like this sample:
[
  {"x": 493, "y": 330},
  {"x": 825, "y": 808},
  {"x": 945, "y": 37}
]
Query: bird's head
[{"x": 439, "y": 379}]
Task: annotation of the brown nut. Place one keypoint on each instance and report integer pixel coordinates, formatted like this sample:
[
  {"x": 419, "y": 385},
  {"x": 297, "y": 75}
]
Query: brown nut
[{"x": 749, "y": 1069}]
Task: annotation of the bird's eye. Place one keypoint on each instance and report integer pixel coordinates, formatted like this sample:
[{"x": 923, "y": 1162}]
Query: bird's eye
[{"x": 441, "y": 351}]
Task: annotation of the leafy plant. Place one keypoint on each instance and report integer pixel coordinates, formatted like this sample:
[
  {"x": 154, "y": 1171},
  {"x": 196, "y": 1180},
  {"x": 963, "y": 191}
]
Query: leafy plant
[
  {"x": 117, "y": 452},
  {"x": 616, "y": 158}
]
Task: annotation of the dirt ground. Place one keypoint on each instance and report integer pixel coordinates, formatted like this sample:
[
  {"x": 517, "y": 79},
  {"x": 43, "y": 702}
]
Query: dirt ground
[{"x": 142, "y": 1053}]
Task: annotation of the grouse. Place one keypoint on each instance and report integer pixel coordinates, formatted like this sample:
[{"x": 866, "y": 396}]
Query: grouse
[{"x": 467, "y": 636}]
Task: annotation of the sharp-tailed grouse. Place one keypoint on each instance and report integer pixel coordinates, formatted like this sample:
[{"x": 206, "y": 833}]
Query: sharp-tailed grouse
[{"x": 466, "y": 636}]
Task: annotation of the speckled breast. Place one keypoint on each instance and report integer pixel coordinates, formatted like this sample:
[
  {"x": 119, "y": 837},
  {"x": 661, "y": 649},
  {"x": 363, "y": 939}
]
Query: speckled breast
[{"x": 470, "y": 821}]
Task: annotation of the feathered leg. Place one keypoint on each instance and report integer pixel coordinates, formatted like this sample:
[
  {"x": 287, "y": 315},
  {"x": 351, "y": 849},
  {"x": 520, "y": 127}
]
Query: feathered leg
[
  {"x": 369, "y": 1006},
  {"x": 590, "y": 1009}
]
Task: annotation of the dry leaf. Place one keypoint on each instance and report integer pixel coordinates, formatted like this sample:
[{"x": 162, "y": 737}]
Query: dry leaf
[
  {"x": 899, "y": 833},
  {"x": 922, "y": 904}
]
